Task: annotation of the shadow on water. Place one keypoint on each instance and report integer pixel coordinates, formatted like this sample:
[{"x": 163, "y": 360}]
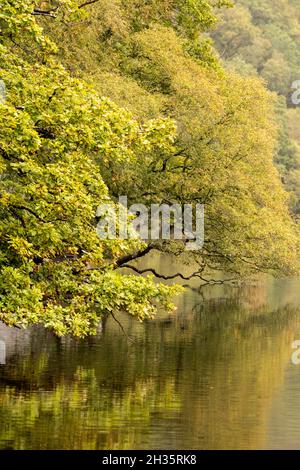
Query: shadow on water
[{"x": 213, "y": 375}]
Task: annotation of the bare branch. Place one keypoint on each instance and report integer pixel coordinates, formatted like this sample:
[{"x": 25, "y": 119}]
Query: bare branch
[
  {"x": 161, "y": 276},
  {"x": 90, "y": 2},
  {"x": 122, "y": 328},
  {"x": 39, "y": 11},
  {"x": 138, "y": 254},
  {"x": 196, "y": 274},
  {"x": 43, "y": 13}
]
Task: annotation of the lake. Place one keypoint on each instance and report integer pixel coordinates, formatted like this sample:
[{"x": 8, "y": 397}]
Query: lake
[{"x": 215, "y": 375}]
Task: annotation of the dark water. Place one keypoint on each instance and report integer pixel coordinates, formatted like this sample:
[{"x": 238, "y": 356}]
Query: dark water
[{"x": 216, "y": 375}]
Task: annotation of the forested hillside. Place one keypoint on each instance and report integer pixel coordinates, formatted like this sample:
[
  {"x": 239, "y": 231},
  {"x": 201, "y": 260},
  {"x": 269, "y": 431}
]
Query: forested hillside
[
  {"x": 109, "y": 98},
  {"x": 262, "y": 38}
]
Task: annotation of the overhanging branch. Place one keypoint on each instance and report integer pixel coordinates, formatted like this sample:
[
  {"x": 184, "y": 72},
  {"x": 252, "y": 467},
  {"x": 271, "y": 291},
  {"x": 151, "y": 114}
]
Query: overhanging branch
[
  {"x": 197, "y": 274},
  {"x": 90, "y": 2},
  {"x": 132, "y": 256}
]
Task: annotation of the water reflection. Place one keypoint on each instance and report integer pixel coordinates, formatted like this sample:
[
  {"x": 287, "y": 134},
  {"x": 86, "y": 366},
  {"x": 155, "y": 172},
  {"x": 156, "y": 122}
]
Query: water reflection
[{"x": 213, "y": 376}]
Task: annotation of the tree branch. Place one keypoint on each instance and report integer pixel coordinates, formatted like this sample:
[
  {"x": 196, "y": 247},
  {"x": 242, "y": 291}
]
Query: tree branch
[
  {"x": 122, "y": 328},
  {"x": 27, "y": 209},
  {"x": 161, "y": 276},
  {"x": 43, "y": 13},
  {"x": 139, "y": 254},
  {"x": 90, "y": 2},
  {"x": 196, "y": 274}
]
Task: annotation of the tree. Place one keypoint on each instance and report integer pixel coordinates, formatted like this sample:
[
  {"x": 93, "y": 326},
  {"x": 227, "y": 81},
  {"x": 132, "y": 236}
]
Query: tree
[
  {"x": 224, "y": 158},
  {"x": 263, "y": 38},
  {"x": 64, "y": 150},
  {"x": 54, "y": 269}
]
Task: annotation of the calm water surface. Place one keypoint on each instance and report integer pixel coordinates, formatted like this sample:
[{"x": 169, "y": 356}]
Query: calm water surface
[{"x": 216, "y": 375}]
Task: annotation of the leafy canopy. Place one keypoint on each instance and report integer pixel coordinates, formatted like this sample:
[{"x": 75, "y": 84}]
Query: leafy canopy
[
  {"x": 53, "y": 267},
  {"x": 193, "y": 133}
]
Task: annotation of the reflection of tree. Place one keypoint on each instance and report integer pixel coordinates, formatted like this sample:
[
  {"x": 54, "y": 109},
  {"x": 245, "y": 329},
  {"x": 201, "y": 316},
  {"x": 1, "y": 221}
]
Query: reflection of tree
[
  {"x": 74, "y": 416},
  {"x": 204, "y": 379},
  {"x": 244, "y": 364}
]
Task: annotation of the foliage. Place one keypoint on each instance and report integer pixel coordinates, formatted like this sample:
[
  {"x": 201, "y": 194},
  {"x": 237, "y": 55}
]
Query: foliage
[
  {"x": 225, "y": 144},
  {"x": 224, "y": 155},
  {"x": 263, "y": 38},
  {"x": 265, "y": 34},
  {"x": 193, "y": 133},
  {"x": 54, "y": 268}
]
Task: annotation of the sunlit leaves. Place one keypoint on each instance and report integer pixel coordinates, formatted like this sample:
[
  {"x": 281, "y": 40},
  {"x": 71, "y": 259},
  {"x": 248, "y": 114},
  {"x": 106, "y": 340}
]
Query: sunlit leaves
[{"x": 54, "y": 131}]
